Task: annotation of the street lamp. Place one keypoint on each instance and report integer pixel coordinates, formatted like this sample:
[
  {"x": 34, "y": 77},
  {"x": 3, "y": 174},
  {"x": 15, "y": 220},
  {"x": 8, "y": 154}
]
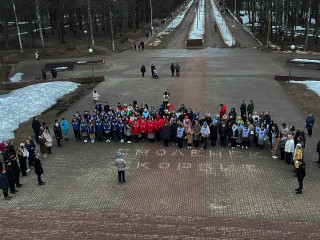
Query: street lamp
[
  {"x": 151, "y": 17},
  {"x": 91, "y": 51},
  {"x": 85, "y": 33},
  {"x": 234, "y": 18},
  {"x": 292, "y": 48}
]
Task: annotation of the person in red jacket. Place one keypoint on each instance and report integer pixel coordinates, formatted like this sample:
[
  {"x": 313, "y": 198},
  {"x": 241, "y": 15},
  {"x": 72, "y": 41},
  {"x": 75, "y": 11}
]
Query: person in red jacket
[
  {"x": 158, "y": 123},
  {"x": 151, "y": 130},
  {"x": 222, "y": 110},
  {"x": 143, "y": 128},
  {"x": 135, "y": 131}
]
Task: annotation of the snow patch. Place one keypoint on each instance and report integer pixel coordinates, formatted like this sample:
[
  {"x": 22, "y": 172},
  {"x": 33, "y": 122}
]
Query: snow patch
[
  {"x": 198, "y": 25},
  {"x": 311, "y": 85},
  {"x": 306, "y": 60},
  {"x": 81, "y": 62},
  {"x": 224, "y": 30},
  {"x": 61, "y": 68},
  {"x": 22, "y": 104},
  {"x": 17, "y": 77}
]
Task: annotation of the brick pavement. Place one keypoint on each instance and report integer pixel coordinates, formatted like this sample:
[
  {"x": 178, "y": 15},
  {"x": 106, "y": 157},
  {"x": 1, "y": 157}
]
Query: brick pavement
[{"x": 245, "y": 184}]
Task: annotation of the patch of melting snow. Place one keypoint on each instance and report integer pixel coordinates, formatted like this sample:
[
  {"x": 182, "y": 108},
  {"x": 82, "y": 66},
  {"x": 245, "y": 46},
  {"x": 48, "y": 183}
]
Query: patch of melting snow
[
  {"x": 20, "y": 105},
  {"x": 61, "y": 68},
  {"x": 17, "y": 77},
  {"x": 311, "y": 85},
  {"x": 81, "y": 62}
]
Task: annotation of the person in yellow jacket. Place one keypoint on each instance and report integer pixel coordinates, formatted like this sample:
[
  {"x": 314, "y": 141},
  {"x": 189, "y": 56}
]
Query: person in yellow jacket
[{"x": 297, "y": 156}]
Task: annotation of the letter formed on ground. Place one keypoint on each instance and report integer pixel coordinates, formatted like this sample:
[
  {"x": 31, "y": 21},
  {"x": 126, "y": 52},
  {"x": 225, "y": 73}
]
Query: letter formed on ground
[
  {"x": 142, "y": 152},
  {"x": 195, "y": 153},
  {"x": 184, "y": 166},
  {"x": 142, "y": 165},
  {"x": 177, "y": 152},
  {"x": 161, "y": 152},
  {"x": 164, "y": 165}
]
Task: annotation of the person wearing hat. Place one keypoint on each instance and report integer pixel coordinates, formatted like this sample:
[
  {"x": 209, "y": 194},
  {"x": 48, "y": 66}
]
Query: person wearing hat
[
  {"x": 301, "y": 175},
  {"x": 4, "y": 184},
  {"x": 121, "y": 164}
]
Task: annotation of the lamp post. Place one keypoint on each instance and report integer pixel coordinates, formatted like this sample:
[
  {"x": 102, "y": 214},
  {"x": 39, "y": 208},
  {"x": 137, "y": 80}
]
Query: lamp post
[
  {"x": 91, "y": 52},
  {"x": 151, "y": 17},
  {"x": 234, "y": 19},
  {"x": 85, "y": 33},
  {"x": 292, "y": 48}
]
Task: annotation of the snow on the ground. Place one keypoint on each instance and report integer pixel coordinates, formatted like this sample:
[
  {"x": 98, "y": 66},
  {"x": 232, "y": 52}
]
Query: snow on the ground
[
  {"x": 61, "y": 68},
  {"x": 16, "y": 78},
  {"x": 175, "y": 23},
  {"x": 306, "y": 60},
  {"x": 198, "y": 25},
  {"x": 22, "y": 104},
  {"x": 224, "y": 30},
  {"x": 81, "y": 62},
  {"x": 311, "y": 85}
]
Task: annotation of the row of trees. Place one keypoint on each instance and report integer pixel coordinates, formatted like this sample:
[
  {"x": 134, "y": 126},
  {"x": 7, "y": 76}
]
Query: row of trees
[
  {"x": 283, "y": 17},
  {"x": 100, "y": 17}
]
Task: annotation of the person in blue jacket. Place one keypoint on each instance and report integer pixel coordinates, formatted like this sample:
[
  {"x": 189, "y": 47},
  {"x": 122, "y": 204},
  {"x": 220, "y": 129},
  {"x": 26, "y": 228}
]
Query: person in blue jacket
[
  {"x": 76, "y": 128},
  {"x": 99, "y": 129},
  {"x": 309, "y": 123},
  {"x": 121, "y": 130},
  {"x": 4, "y": 184},
  {"x": 107, "y": 128},
  {"x": 180, "y": 131},
  {"x": 84, "y": 130},
  {"x": 115, "y": 129},
  {"x": 65, "y": 129}
]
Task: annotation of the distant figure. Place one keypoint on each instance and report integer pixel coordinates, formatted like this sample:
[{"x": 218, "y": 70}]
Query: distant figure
[
  {"x": 139, "y": 45},
  {"x": 152, "y": 69},
  {"x": 38, "y": 168},
  {"x": 172, "y": 68},
  {"x": 44, "y": 75},
  {"x": 143, "y": 70},
  {"x": 142, "y": 45},
  {"x": 121, "y": 164},
  {"x": 95, "y": 96},
  {"x": 36, "y": 55},
  {"x": 177, "y": 70},
  {"x": 54, "y": 73},
  {"x": 147, "y": 34},
  {"x": 135, "y": 46}
]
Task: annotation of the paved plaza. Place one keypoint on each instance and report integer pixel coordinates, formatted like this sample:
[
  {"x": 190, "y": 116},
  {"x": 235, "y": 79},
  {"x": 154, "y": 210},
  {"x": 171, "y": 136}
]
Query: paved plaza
[{"x": 218, "y": 192}]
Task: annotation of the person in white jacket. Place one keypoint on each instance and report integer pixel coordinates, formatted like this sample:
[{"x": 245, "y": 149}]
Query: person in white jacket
[{"x": 289, "y": 149}]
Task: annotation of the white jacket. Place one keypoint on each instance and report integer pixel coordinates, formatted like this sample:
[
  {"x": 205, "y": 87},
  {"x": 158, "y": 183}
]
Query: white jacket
[{"x": 289, "y": 146}]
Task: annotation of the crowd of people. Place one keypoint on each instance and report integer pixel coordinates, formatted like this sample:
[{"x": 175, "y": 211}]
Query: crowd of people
[{"x": 178, "y": 126}]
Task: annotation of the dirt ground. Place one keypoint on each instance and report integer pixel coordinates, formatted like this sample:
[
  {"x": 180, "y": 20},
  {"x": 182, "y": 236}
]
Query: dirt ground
[
  {"x": 52, "y": 113},
  {"x": 306, "y": 100}
]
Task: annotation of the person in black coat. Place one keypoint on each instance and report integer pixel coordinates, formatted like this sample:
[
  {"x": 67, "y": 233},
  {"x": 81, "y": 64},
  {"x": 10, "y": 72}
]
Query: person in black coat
[
  {"x": 152, "y": 69},
  {"x": 44, "y": 75},
  {"x": 223, "y": 135},
  {"x": 173, "y": 131},
  {"x": 243, "y": 108},
  {"x": 4, "y": 184},
  {"x": 172, "y": 69},
  {"x": 233, "y": 113},
  {"x": 36, "y": 128},
  {"x": 143, "y": 70},
  {"x": 166, "y": 134},
  {"x": 57, "y": 132},
  {"x": 38, "y": 168},
  {"x": 213, "y": 133},
  {"x": 301, "y": 173},
  {"x": 54, "y": 73},
  {"x": 16, "y": 170},
  {"x": 10, "y": 175}
]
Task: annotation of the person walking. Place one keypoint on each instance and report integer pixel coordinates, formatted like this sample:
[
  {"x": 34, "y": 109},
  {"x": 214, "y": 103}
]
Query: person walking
[
  {"x": 135, "y": 46},
  {"x": 4, "y": 184},
  {"x": 152, "y": 69},
  {"x": 172, "y": 68},
  {"x": 309, "y": 123},
  {"x": 54, "y": 73},
  {"x": 121, "y": 165},
  {"x": 37, "y": 57},
  {"x": 301, "y": 174},
  {"x": 38, "y": 168},
  {"x": 143, "y": 70},
  {"x": 177, "y": 70}
]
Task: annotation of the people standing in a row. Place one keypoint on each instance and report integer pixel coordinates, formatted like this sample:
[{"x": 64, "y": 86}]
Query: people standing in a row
[{"x": 175, "y": 69}]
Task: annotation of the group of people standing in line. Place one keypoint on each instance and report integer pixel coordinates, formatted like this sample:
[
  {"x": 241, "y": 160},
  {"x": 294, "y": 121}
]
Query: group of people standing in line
[{"x": 154, "y": 71}]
